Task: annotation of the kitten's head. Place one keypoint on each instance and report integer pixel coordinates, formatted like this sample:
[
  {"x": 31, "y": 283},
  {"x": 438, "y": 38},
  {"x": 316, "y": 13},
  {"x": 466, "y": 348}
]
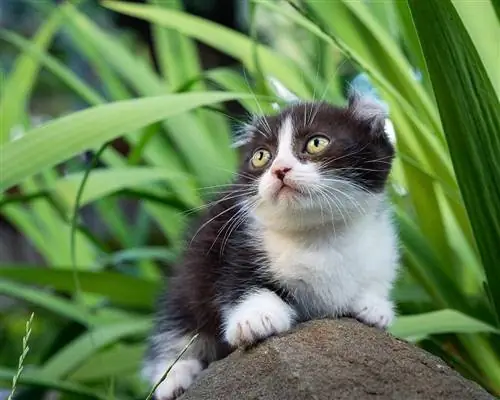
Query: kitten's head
[{"x": 314, "y": 161}]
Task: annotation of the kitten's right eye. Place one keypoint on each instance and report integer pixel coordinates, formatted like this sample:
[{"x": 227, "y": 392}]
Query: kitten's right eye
[{"x": 260, "y": 158}]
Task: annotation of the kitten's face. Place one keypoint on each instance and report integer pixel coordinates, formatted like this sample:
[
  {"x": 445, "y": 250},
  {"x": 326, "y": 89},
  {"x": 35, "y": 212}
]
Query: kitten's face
[{"x": 316, "y": 161}]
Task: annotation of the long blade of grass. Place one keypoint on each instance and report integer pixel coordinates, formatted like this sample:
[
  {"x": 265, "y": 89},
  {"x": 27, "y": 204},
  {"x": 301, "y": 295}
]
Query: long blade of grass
[
  {"x": 103, "y": 182},
  {"x": 46, "y": 301},
  {"x": 88, "y": 344},
  {"x": 37, "y": 54},
  {"x": 33, "y": 378},
  {"x": 90, "y": 128},
  {"x": 438, "y": 322},
  {"x": 219, "y": 37},
  {"x": 119, "y": 360},
  {"x": 177, "y": 55},
  {"x": 114, "y": 286},
  {"x": 17, "y": 87}
]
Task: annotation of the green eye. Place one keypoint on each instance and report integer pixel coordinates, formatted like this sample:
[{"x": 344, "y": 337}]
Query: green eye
[
  {"x": 317, "y": 144},
  {"x": 260, "y": 158}
]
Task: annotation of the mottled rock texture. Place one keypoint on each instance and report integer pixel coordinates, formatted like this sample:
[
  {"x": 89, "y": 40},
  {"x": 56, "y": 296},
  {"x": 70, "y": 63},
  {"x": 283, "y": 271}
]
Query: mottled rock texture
[{"x": 332, "y": 359}]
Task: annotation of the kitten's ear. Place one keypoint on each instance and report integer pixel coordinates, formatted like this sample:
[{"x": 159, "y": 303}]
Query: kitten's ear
[
  {"x": 368, "y": 111},
  {"x": 243, "y": 136}
]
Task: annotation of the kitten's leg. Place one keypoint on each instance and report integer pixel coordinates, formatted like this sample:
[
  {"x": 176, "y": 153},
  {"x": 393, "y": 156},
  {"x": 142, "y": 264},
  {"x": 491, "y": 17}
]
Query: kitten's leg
[
  {"x": 257, "y": 315},
  {"x": 374, "y": 308},
  {"x": 164, "y": 349}
]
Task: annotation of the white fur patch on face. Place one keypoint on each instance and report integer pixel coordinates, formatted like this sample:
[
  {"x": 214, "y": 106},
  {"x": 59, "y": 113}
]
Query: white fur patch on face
[
  {"x": 300, "y": 176},
  {"x": 180, "y": 377},
  {"x": 258, "y": 316},
  {"x": 284, "y": 156}
]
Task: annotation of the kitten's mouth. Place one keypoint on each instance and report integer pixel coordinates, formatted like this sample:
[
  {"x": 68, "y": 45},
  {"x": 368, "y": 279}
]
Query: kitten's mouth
[{"x": 286, "y": 190}]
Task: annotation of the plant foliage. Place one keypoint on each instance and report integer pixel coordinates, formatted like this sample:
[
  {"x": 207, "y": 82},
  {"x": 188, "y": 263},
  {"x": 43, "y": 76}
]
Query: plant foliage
[{"x": 93, "y": 290}]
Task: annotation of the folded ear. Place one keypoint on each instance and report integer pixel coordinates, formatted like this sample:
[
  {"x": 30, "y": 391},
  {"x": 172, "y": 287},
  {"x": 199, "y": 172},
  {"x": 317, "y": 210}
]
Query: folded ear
[
  {"x": 368, "y": 111},
  {"x": 243, "y": 136}
]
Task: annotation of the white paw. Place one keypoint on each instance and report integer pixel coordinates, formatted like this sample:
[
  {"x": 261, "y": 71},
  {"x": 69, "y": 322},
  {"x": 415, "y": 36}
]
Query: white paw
[
  {"x": 180, "y": 377},
  {"x": 375, "y": 311},
  {"x": 260, "y": 315}
]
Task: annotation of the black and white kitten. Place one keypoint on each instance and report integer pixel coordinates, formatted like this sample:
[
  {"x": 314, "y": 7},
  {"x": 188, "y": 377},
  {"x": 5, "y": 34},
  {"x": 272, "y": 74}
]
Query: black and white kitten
[{"x": 304, "y": 233}]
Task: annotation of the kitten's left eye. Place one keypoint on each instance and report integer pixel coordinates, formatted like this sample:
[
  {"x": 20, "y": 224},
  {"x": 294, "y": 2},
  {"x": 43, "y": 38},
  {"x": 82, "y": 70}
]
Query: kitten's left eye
[
  {"x": 317, "y": 144},
  {"x": 260, "y": 158}
]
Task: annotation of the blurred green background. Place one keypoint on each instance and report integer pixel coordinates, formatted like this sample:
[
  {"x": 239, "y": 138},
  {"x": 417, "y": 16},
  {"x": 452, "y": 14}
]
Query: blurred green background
[{"x": 115, "y": 124}]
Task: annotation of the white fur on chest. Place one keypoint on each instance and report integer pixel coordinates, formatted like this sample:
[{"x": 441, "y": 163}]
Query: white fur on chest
[{"x": 327, "y": 271}]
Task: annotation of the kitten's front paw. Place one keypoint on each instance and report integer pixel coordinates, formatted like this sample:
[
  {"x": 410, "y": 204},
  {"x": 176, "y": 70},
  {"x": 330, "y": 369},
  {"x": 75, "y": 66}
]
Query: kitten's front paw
[
  {"x": 374, "y": 311},
  {"x": 259, "y": 316},
  {"x": 180, "y": 377}
]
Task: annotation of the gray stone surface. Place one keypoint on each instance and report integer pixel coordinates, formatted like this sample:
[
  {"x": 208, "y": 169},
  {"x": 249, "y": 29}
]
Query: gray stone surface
[{"x": 329, "y": 359}]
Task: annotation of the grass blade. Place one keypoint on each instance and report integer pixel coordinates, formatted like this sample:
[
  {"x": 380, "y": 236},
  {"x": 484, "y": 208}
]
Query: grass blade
[
  {"x": 114, "y": 286},
  {"x": 221, "y": 38},
  {"x": 33, "y": 378},
  {"x": 90, "y": 128},
  {"x": 17, "y": 87},
  {"x": 88, "y": 344},
  {"x": 438, "y": 322}
]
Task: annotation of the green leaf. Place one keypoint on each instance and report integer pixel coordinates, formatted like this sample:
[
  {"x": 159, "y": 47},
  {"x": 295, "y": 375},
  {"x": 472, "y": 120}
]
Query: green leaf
[
  {"x": 66, "y": 75},
  {"x": 483, "y": 27},
  {"x": 177, "y": 54},
  {"x": 134, "y": 69},
  {"x": 58, "y": 140},
  {"x": 16, "y": 89},
  {"x": 117, "y": 361},
  {"x": 226, "y": 40},
  {"x": 75, "y": 353},
  {"x": 115, "y": 287},
  {"x": 103, "y": 182},
  {"x": 438, "y": 322},
  {"x": 32, "y": 377},
  {"x": 63, "y": 308},
  {"x": 461, "y": 83}
]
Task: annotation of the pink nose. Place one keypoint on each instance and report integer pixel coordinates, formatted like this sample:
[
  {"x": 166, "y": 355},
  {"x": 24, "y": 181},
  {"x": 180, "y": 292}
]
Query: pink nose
[{"x": 281, "y": 172}]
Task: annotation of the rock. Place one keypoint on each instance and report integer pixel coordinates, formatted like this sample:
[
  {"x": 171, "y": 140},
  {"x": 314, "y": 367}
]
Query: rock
[{"x": 332, "y": 359}]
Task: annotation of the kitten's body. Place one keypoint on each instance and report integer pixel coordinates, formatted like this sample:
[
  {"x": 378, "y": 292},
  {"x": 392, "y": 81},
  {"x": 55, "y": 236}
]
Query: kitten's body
[{"x": 269, "y": 255}]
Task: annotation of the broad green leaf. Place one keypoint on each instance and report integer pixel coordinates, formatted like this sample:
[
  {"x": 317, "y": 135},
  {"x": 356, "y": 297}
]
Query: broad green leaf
[
  {"x": 32, "y": 377},
  {"x": 17, "y": 87},
  {"x": 103, "y": 182},
  {"x": 76, "y": 352},
  {"x": 45, "y": 300},
  {"x": 177, "y": 54},
  {"x": 438, "y": 322},
  {"x": 53, "y": 64},
  {"x": 115, "y": 287},
  {"x": 90, "y": 128},
  {"x": 134, "y": 69},
  {"x": 119, "y": 360},
  {"x": 483, "y": 27},
  {"x": 221, "y": 38},
  {"x": 461, "y": 83}
]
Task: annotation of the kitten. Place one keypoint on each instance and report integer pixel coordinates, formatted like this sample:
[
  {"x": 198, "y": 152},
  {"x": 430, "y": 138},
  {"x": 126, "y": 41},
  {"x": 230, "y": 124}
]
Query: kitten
[{"x": 303, "y": 233}]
